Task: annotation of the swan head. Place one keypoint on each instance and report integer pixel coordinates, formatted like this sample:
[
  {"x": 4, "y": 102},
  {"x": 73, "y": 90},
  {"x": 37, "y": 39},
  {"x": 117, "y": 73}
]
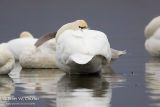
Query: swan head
[
  {"x": 76, "y": 25},
  {"x": 25, "y": 34},
  {"x": 153, "y": 25},
  {"x": 79, "y": 24}
]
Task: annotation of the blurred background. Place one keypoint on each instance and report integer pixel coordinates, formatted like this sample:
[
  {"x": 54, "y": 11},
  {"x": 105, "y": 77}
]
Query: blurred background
[{"x": 122, "y": 20}]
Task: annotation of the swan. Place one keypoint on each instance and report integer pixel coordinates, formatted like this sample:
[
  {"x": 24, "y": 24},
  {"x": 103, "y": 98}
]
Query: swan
[
  {"x": 152, "y": 34},
  {"x": 81, "y": 51},
  {"x": 16, "y": 46},
  {"x": 30, "y": 56},
  {"x": 42, "y": 53},
  {"x": 39, "y": 57},
  {"x": 7, "y": 59}
]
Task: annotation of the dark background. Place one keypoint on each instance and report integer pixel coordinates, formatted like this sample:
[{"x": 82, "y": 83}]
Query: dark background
[
  {"x": 117, "y": 18},
  {"x": 122, "y": 20}
]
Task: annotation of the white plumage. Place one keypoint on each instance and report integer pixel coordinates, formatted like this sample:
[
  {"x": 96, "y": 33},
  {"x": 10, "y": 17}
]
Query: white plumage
[
  {"x": 152, "y": 33},
  {"x": 83, "y": 51},
  {"x": 16, "y": 46},
  {"x": 7, "y": 60},
  {"x": 41, "y": 57}
]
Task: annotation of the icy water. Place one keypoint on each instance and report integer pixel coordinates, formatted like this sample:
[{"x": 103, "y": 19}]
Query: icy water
[{"x": 135, "y": 79}]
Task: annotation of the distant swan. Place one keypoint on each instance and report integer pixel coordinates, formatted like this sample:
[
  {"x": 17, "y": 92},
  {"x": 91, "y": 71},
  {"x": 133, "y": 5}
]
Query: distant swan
[
  {"x": 7, "y": 60},
  {"x": 152, "y": 34},
  {"x": 16, "y": 46},
  {"x": 39, "y": 57}
]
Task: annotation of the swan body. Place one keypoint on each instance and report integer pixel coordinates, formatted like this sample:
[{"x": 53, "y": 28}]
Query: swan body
[
  {"x": 16, "y": 46},
  {"x": 7, "y": 60},
  {"x": 82, "y": 51},
  {"x": 39, "y": 57},
  {"x": 152, "y": 34}
]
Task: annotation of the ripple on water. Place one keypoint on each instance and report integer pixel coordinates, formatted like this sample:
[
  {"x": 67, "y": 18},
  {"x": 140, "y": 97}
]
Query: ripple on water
[
  {"x": 152, "y": 78},
  {"x": 54, "y": 88},
  {"x": 39, "y": 83}
]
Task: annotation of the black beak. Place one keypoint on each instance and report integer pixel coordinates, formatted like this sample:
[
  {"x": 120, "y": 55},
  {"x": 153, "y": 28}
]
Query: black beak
[{"x": 82, "y": 27}]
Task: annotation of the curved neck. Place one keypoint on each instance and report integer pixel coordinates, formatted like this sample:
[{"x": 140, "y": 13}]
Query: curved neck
[{"x": 62, "y": 29}]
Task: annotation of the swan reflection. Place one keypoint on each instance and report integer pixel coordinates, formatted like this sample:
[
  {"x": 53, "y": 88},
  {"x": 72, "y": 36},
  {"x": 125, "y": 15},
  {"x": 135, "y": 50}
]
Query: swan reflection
[
  {"x": 6, "y": 89},
  {"x": 41, "y": 82},
  {"x": 152, "y": 68},
  {"x": 83, "y": 91}
]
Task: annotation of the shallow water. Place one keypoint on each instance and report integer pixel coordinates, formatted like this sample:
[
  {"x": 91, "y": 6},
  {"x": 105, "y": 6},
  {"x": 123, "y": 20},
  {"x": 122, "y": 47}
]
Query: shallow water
[
  {"x": 135, "y": 81},
  {"x": 52, "y": 88}
]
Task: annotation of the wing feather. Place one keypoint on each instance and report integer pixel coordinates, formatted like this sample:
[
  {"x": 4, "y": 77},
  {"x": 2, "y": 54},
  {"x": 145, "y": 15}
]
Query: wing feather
[{"x": 45, "y": 38}]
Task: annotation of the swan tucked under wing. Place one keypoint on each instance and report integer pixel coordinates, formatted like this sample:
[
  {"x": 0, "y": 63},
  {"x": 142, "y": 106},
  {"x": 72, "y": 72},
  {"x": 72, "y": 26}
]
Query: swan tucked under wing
[
  {"x": 83, "y": 51},
  {"x": 7, "y": 60},
  {"x": 29, "y": 55},
  {"x": 115, "y": 53},
  {"x": 39, "y": 57},
  {"x": 152, "y": 34},
  {"x": 16, "y": 46}
]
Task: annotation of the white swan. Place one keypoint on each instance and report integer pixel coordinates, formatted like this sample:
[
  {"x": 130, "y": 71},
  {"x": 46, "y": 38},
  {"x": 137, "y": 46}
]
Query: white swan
[
  {"x": 42, "y": 54},
  {"x": 39, "y": 57},
  {"x": 7, "y": 60},
  {"x": 29, "y": 55},
  {"x": 152, "y": 34},
  {"x": 83, "y": 51},
  {"x": 16, "y": 46}
]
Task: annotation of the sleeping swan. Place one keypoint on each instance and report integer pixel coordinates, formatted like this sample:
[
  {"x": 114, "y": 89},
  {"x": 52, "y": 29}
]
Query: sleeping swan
[
  {"x": 42, "y": 53},
  {"x": 7, "y": 60},
  {"x": 81, "y": 51},
  {"x": 152, "y": 34},
  {"x": 39, "y": 57},
  {"x": 16, "y": 46}
]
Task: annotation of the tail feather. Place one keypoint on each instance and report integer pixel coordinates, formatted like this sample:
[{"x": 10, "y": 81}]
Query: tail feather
[
  {"x": 80, "y": 58},
  {"x": 122, "y": 52},
  {"x": 116, "y": 54}
]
